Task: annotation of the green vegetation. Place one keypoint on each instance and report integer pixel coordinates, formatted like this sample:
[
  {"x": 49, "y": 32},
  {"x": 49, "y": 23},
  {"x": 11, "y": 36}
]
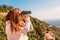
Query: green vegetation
[
  {"x": 5, "y": 8},
  {"x": 38, "y": 25},
  {"x": 39, "y": 28},
  {"x": 2, "y": 29}
]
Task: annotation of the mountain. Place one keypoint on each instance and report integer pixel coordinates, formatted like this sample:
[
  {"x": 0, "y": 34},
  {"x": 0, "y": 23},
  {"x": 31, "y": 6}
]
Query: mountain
[
  {"x": 55, "y": 22},
  {"x": 40, "y": 27},
  {"x": 37, "y": 34}
]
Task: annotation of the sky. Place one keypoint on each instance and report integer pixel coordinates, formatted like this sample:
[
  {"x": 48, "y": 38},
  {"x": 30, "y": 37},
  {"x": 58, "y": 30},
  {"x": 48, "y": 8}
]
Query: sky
[{"x": 41, "y": 9}]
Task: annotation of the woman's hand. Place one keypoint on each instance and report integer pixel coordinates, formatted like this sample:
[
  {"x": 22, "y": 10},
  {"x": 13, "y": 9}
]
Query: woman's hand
[
  {"x": 21, "y": 23},
  {"x": 15, "y": 26}
]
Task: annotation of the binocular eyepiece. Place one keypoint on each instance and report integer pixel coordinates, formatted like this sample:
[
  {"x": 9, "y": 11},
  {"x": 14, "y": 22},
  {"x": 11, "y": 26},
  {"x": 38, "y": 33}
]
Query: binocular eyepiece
[{"x": 26, "y": 12}]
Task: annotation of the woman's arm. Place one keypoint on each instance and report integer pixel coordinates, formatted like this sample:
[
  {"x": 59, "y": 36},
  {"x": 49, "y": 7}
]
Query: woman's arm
[
  {"x": 28, "y": 26},
  {"x": 21, "y": 23}
]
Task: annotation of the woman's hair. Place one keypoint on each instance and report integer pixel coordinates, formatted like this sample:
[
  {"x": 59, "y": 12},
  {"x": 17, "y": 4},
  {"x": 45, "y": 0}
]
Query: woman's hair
[
  {"x": 13, "y": 16},
  {"x": 47, "y": 30}
]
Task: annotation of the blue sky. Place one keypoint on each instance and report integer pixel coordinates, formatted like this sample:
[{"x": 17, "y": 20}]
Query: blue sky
[{"x": 41, "y": 9}]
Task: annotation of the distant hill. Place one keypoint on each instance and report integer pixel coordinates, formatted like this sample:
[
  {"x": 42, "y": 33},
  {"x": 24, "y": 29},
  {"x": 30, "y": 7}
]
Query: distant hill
[
  {"x": 55, "y": 22},
  {"x": 37, "y": 34}
]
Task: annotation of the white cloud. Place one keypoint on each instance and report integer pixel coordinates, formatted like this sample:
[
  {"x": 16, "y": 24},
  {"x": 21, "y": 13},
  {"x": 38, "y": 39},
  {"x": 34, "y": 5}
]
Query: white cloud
[{"x": 46, "y": 14}]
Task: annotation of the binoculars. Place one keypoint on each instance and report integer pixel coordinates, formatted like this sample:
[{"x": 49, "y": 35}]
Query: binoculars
[{"x": 26, "y": 12}]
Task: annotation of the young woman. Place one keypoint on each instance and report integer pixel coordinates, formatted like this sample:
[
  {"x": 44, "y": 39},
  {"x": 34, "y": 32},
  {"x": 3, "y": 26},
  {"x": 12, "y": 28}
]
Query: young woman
[
  {"x": 16, "y": 29},
  {"x": 13, "y": 24},
  {"x": 48, "y": 35}
]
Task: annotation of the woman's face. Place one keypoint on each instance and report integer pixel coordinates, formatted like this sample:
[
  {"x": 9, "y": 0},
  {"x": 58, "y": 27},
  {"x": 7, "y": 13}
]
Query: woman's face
[
  {"x": 25, "y": 15},
  {"x": 20, "y": 17}
]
